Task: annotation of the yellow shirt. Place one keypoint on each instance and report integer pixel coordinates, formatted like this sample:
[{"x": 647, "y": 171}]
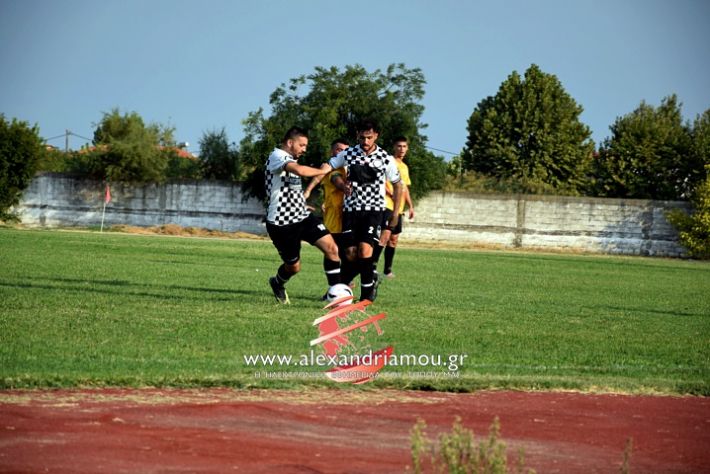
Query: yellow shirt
[
  {"x": 404, "y": 174},
  {"x": 333, "y": 203}
]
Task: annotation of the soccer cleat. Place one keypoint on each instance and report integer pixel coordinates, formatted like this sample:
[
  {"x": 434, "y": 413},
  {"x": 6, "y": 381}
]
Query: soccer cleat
[
  {"x": 279, "y": 291},
  {"x": 369, "y": 294},
  {"x": 389, "y": 275},
  {"x": 377, "y": 280}
]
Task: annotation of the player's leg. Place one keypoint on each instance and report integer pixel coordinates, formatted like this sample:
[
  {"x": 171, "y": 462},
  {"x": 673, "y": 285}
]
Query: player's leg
[
  {"x": 348, "y": 258},
  {"x": 392, "y": 247},
  {"x": 315, "y": 233},
  {"x": 350, "y": 245},
  {"x": 288, "y": 244},
  {"x": 384, "y": 237},
  {"x": 367, "y": 233}
]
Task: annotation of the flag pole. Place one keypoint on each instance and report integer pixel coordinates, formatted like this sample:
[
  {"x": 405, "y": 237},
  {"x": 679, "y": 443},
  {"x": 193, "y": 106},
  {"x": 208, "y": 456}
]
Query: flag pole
[
  {"x": 103, "y": 215},
  {"x": 107, "y": 199}
]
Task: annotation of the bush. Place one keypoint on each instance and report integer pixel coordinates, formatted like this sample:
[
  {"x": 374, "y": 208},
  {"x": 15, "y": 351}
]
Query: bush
[
  {"x": 694, "y": 229},
  {"x": 20, "y": 151},
  {"x": 457, "y": 451}
]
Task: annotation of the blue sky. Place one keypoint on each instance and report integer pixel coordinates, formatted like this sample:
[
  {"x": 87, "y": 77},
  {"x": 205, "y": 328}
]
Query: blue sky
[{"x": 203, "y": 65}]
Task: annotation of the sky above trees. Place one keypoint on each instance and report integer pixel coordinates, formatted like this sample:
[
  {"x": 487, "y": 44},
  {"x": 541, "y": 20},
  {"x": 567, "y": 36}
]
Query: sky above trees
[{"x": 201, "y": 66}]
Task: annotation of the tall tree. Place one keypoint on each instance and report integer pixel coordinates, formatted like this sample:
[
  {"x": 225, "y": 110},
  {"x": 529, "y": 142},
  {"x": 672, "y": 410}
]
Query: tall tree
[
  {"x": 126, "y": 149},
  {"x": 21, "y": 149},
  {"x": 219, "y": 159},
  {"x": 700, "y": 142},
  {"x": 530, "y": 133},
  {"x": 650, "y": 154},
  {"x": 329, "y": 103}
]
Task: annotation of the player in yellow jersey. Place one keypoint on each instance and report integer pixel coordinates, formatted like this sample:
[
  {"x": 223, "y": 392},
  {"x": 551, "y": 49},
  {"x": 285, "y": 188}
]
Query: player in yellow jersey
[{"x": 390, "y": 235}]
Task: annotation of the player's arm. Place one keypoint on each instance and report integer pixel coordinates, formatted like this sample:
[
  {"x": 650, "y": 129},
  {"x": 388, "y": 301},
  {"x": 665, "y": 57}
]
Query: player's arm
[
  {"x": 340, "y": 183},
  {"x": 304, "y": 171},
  {"x": 408, "y": 202},
  {"x": 397, "y": 191},
  {"x": 312, "y": 185}
]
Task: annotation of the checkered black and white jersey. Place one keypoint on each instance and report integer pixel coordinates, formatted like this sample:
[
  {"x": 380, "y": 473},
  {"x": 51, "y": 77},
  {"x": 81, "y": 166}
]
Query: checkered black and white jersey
[
  {"x": 284, "y": 192},
  {"x": 367, "y": 175}
]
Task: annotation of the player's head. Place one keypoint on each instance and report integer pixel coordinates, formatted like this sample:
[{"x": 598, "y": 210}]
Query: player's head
[
  {"x": 295, "y": 142},
  {"x": 338, "y": 145},
  {"x": 401, "y": 147},
  {"x": 367, "y": 133}
]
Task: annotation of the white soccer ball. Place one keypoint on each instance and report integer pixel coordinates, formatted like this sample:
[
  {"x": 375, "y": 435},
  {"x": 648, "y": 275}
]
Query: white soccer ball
[{"x": 339, "y": 291}]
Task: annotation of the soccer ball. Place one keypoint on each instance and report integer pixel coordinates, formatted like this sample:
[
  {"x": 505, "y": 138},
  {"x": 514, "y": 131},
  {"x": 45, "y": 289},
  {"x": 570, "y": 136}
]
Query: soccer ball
[{"x": 338, "y": 291}]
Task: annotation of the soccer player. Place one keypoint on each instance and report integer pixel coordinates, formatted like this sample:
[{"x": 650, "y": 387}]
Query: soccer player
[
  {"x": 288, "y": 221},
  {"x": 390, "y": 236},
  {"x": 335, "y": 186},
  {"x": 369, "y": 167}
]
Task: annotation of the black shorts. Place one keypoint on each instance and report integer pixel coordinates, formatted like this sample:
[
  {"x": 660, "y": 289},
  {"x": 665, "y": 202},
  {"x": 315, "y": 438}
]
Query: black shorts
[
  {"x": 343, "y": 241},
  {"x": 362, "y": 226},
  {"x": 385, "y": 219},
  {"x": 287, "y": 238}
]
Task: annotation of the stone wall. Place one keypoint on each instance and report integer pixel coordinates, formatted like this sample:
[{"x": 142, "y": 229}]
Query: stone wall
[
  {"x": 58, "y": 200},
  {"x": 615, "y": 226}
]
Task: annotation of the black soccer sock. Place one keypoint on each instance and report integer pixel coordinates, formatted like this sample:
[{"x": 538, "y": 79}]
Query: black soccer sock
[
  {"x": 367, "y": 275},
  {"x": 332, "y": 271},
  {"x": 376, "y": 253},
  {"x": 348, "y": 271},
  {"x": 389, "y": 258},
  {"x": 283, "y": 275}
]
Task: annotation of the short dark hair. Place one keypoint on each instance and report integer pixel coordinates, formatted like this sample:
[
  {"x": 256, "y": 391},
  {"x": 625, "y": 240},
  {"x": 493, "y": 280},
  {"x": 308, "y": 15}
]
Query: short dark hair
[
  {"x": 368, "y": 124},
  {"x": 294, "y": 132},
  {"x": 400, "y": 138},
  {"x": 339, "y": 140}
]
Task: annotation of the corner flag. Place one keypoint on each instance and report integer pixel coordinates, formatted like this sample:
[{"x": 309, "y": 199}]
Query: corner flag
[{"x": 107, "y": 199}]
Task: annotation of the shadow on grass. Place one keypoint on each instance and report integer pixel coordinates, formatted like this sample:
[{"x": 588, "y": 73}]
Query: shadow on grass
[
  {"x": 123, "y": 287},
  {"x": 643, "y": 311}
]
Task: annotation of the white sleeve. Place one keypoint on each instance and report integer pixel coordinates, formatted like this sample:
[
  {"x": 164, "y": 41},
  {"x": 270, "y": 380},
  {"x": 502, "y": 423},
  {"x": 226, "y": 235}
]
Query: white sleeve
[
  {"x": 392, "y": 172},
  {"x": 277, "y": 162},
  {"x": 337, "y": 161}
]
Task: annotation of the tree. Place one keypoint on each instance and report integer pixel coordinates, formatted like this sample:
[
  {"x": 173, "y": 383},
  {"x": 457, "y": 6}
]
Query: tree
[
  {"x": 700, "y": 141},
  {"x": 21, "y": 149},
  {"x": 530, "y": 133},
  {"x": 650, "y": 155},
  {"x": 694, "y": 229},
  {"x": 329, "y": 103},
  {"x": 219, "y": 160},
  {"x": 125, "y": 149}
]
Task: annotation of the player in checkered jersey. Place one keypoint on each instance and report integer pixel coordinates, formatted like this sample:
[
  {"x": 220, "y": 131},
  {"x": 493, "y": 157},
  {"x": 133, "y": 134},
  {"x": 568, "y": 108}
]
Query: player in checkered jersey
[
  {"x": 288, "y": 221},
  {"x": 369, "y": 166}
]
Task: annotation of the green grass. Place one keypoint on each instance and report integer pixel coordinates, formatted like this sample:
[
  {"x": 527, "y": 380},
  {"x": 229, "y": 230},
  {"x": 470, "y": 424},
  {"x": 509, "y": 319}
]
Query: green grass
[{"x": 109, "y": 309}]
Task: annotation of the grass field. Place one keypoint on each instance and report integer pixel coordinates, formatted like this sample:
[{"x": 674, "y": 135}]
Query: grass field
[{"x": 82, "y": 308}]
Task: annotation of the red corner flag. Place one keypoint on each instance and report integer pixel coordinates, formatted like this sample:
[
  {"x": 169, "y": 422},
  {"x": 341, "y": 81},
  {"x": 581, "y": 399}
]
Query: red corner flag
[{"x": 107, "y": 198}]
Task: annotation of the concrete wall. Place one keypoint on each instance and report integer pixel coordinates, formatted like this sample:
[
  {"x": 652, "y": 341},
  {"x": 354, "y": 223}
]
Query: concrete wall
[
  {"x": 57, "y": 200},
  {"x": 616, "y": 226}
]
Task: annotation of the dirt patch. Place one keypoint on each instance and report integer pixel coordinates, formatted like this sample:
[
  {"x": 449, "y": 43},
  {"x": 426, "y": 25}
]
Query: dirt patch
[
  {"x": 174, "y": 229},
  {"x": 218, "y": 430}
]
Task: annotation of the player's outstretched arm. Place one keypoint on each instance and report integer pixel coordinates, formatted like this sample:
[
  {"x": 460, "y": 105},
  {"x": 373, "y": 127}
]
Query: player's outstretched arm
[{"x": 304, "y": 171}]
